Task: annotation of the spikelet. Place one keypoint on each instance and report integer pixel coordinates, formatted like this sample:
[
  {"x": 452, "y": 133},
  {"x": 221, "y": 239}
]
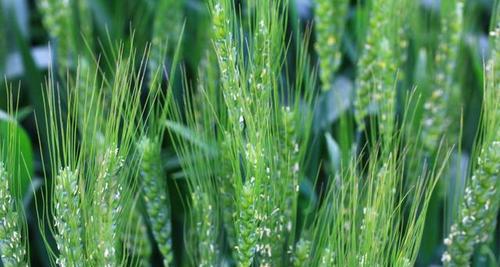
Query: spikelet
[
  {"x": 436, "y": 118},
  {"x": 477, "y": 216},
  {"x": 88, "y": 100},
  {"x": 478, "y": 212},
  {"x": 237, "y": 221},
  {"x": 377, "y": 69},
  {"x": 206, "y": 228},
  {"x": 493, "y": 67},
  {"x": 329, "y": 17},
  {"x": 327, "y": 257},
  {"x": 262, "y": 69},
  {"x": 247, "y": 239},
  {"x": 156, "y": 196},
  {"x": 67, "y": 218},
  {"x": 227, "y": 54},
  {"x": 12, "y": 249},
  {"x": 107, "y": 209},
  {"x": 402, "y": 49},
  {"x": 287, "y": 182},
  {"x": 57, "y": 19},
  {"x": 302, "y": 253}
]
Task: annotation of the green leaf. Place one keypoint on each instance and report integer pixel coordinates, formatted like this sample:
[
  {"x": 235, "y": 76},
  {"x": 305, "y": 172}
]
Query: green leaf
[
  {"x": 20, "y": 156},
  {"x": 334, "y": 103},
  {"x": 333, "y": 152},
  {"x": 189, "y": 135},
  {"x": 23, "y": 113}
]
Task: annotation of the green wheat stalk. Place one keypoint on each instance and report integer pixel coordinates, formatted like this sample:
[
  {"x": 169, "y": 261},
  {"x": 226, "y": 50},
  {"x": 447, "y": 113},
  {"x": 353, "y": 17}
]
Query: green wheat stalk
[{"x": 355, "y": 226}]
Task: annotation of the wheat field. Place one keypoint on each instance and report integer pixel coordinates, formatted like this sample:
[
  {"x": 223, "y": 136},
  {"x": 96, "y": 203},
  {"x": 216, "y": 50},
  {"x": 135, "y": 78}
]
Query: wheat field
[{"x": 249, "y": 133}]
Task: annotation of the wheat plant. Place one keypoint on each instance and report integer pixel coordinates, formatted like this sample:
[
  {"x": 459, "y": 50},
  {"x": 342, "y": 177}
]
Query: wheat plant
[
  {"x": 13, "y": 232},
  {"x": 478, "y": 211}
]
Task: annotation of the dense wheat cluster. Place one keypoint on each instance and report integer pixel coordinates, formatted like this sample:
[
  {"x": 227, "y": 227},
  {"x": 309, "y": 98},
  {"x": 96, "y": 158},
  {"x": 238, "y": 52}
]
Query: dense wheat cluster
[{"x": 249, "y": 133}]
